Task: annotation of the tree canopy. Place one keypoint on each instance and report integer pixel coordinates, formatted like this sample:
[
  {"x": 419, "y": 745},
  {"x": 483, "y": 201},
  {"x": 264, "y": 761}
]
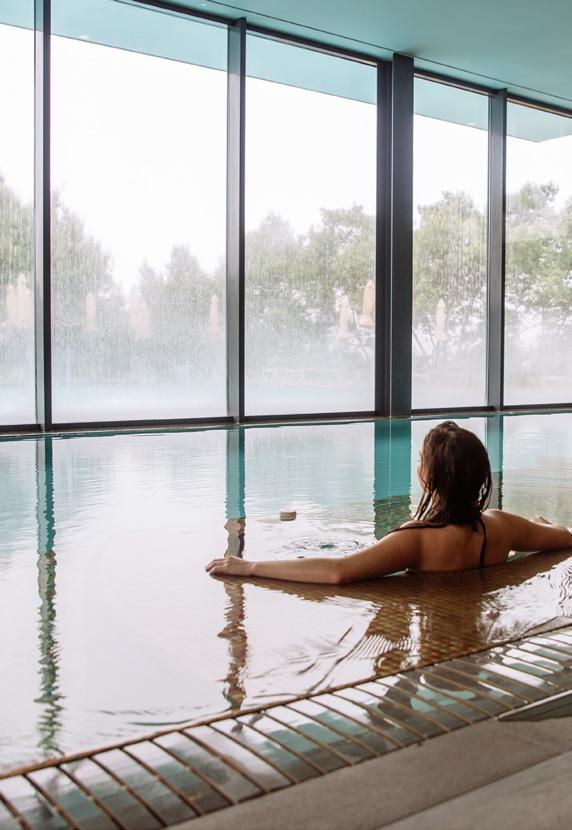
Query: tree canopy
[{"x": 297, "y": 283}]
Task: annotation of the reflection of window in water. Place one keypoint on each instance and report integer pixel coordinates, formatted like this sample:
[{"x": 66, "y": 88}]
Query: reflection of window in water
[
  {"x": 234, "y": 631},
  {"x": 235, "y": 529},
  {"x": 49, "y": 721},
  {"x": 392, "y": 476}
]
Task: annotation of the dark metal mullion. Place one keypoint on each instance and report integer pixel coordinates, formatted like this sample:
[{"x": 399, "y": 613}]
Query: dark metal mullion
[
  {"x": 383, "y": 242},
  {"x": 42, "y": 217},
  {"x": 235, "y": 220},
  {"x": 402, "y": 76},
  {"x": 496, "y": 249}
]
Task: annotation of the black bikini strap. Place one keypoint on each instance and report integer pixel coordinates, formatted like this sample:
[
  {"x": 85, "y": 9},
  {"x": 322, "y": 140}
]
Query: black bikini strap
[{"x": 484, "y": 545}]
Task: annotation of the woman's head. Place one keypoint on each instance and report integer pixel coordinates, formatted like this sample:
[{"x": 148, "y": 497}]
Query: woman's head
[{"x": 455, "y": 472}]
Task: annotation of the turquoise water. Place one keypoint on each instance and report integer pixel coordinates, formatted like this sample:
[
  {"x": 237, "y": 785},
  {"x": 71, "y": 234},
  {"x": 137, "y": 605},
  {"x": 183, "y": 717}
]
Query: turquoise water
[{"x": 109, "y": 625}]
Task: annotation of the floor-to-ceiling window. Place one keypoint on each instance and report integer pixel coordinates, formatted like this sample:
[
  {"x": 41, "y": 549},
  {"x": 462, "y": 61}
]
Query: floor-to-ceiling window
[
  {"x": 138, "y": 213},
  {"x": 138, "y": 170},
  {"x": 310, "y": 230},
  {"x": 538, "y": 333},
  {"x": 17, "y": 386},
  {"x": 449, "y": 246}
]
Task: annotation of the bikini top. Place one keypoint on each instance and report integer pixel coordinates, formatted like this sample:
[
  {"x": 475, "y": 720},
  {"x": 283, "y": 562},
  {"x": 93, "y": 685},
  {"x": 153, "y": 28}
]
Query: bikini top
[{"x": 483, "y": 546}]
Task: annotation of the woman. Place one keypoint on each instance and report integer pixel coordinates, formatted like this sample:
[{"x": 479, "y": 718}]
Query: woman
[{"x": 452, "y": 529}]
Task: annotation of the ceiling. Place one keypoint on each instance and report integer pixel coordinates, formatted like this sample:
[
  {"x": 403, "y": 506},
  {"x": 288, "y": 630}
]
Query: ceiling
[
  {"x": 517, "y": 44},
  {"x": 523, "y": 45}
]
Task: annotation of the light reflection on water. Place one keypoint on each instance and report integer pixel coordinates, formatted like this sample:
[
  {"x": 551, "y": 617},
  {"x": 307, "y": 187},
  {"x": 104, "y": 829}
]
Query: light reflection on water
[{"x": 109, "y": 624}]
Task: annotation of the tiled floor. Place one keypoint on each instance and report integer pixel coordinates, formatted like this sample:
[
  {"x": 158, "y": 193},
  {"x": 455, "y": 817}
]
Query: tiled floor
[
  {"x": 417, "y": 782},
  {"x": 536, "y": 798},
  {"x": 183, "y": 774}
]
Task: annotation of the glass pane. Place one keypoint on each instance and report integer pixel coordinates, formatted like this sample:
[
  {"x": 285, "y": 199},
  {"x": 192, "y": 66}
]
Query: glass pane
[
  {"x": 538, "y": 334},
  {"x": 139, "y": 214},
  {"x": 310, "y": 220},
  {"x": 449, "y": 246},
  {"x": 24, "y": 607},
  {"x": 17, "y": 389},
  {"x": 537, "y": 464}
]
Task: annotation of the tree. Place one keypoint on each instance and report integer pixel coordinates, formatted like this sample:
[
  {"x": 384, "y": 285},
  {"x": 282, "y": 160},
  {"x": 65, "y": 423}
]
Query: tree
[
  {"x": 79, "y": 265},
  {"x": 450, "y": 264},
  {"x": 179, "y": 303},
  {"x": 16, "y": 239},
  {"x": 341, "y": 249},
  {"x": 276, "y": 289},
  {"x": 539, "y": 255}
]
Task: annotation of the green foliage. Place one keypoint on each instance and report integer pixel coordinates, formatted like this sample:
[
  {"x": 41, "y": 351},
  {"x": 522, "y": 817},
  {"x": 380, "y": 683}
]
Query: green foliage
[
  {"x": 16, "y": 239},
  {"x": 539, "y": 254},
  {"x": 295, "y": 284},
  {"x": 450, "y": 264},
  {"x": 341, "y": 252},
  {"x": 179, "y": 301},
  {"x": 79, "y": 265}
]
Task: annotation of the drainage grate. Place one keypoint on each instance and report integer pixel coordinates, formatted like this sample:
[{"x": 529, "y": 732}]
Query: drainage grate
[
  {"x": 559, "y": 706},
  {"x": 154, "y": 782}
]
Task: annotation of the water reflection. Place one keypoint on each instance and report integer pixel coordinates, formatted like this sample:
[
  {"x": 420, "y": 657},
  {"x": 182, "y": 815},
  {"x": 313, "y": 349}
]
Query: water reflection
[
  {"x": 392, "y": 475},
  {"x": 416, "y": 620},
  {"x": 49, "y": 720},
  {"x": 234, "y": 631},
  {"x": 494, "y": 441},
  {"x": 133, "y": 635}
]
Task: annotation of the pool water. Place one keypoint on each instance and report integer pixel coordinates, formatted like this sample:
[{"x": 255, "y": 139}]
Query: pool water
[{"x": 110, "y": 627}]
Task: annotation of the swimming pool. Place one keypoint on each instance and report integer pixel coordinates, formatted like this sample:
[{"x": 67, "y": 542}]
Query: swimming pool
[{"x": 109, "y": 626}]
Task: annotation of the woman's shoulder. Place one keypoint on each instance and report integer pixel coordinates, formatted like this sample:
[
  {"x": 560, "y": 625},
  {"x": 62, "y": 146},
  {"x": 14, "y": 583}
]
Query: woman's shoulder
[
  {"x": 498, "y": 518},
  {"x": 418, "y": 524}
]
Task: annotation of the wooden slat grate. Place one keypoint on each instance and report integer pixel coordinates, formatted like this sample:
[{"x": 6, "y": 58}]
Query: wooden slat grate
[{"x": 154, "y": 782}]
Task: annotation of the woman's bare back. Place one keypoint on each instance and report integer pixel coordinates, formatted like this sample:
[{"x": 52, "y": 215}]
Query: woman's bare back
[{"x": 495, "y": 535}]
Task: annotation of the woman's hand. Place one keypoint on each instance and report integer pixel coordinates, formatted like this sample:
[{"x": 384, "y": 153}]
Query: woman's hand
[{"x": 229, "y": 566}]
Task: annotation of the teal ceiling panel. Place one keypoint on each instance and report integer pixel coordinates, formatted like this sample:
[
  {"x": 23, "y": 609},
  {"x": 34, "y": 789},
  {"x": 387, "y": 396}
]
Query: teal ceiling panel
[
  {"x": 519, "y": 45},
  {"x": 17, "y": 13},
  {"x": 271, "y": 60},
  {"x": 447, "y": 103},
  {"x": 536, "y": 125},
  {"x": 522, "y": 45},
  {"x": 135, "y": 28}
]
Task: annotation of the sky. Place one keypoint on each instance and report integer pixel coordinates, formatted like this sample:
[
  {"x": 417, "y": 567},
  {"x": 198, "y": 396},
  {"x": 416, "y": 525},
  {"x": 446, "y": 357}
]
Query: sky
[{"x": 139, "y": 150}]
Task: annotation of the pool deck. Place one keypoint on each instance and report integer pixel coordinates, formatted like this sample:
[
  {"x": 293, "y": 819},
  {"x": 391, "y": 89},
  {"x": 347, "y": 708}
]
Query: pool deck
[
  {"x": 492, "y": 774},
  {"x": 418, "y": 749}
]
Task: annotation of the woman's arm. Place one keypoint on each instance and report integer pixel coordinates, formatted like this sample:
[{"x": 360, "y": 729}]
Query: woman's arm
[
  {"x": 535, "y": 534},
  {"x": 395, "y": 552}
]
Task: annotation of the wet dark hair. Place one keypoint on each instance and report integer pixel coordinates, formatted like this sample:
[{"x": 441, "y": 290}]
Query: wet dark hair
[{"x": 456, "y": 473}]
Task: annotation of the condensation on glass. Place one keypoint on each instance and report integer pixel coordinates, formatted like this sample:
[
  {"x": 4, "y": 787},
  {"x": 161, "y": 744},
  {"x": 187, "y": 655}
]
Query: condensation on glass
[
  {"x": 17, "y": 385},
  {"x": 310, "y": 231},
  {"x": 138, "y": 213},
  {"x": 449, "y": 246},
  {"x": 538, "y": 328}
]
